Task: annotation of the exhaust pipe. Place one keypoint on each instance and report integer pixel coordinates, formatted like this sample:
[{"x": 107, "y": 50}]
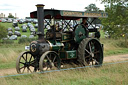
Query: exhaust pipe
[{"x": 40, "y": 16}]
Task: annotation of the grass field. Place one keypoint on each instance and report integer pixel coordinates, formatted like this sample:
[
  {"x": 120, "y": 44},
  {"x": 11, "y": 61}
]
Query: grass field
[
  {"x": 114, "y": 47},
  {"x": 6, "y": 25},
  {"x": 105, "y": 75},
  {"x": 19, "y": 25}
]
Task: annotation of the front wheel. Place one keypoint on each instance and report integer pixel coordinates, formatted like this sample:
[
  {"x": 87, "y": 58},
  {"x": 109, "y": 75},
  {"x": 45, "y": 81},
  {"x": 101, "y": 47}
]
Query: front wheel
[
  {"x": 49, "y": 61},
  {"x": 25, "y": 63}
]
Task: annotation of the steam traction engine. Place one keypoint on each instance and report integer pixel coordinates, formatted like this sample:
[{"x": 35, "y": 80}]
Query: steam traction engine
[{"x": 63, "y": 44}]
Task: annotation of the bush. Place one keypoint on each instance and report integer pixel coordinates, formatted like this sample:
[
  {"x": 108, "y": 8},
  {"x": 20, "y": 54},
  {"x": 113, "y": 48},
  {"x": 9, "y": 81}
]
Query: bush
[
  {"x": 3, "y": 32},
  {"x": 7, "y": 41},
  {"x": 26, "y": 40}
]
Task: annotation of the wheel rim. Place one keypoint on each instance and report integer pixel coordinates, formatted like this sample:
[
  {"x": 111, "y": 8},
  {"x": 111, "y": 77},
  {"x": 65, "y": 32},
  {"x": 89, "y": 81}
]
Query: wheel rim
[
  {"x": 49, "y": 61},
  {"x": 93, "y": 53},
  {"x": 25, "y": 63}
]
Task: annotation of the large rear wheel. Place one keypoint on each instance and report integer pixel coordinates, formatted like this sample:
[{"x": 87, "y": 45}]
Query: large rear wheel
[{"x": 90, "y": 52}]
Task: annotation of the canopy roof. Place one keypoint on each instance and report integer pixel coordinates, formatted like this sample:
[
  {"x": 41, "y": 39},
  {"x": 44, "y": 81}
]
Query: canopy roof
[{"x": 68, "y": 15}]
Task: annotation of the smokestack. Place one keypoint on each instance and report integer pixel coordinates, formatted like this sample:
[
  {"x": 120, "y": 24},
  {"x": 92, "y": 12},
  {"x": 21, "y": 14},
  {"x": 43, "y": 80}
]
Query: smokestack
[{"x": 40, "y": 16}]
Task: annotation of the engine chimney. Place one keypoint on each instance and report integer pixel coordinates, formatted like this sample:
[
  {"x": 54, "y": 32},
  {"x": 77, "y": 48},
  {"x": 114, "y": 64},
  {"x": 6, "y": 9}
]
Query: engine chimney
[{"x": 40, "y": 16}]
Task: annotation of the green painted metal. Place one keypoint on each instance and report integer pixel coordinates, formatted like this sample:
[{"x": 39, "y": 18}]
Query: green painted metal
[
  {"x": 62, "y": 54},
  {"x": 66, "y": 37},
  {"x": 55, "y": 45},
  {"x": 68, "y": 54},
  {"x": 80, "y": 34},
  {"x": 71, "y": 54},
  {"x": 67, "y": 46}
]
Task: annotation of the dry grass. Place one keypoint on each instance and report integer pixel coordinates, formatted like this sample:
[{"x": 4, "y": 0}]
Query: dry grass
[
  {"x": 112, "y": 47},
  {"x": 105, "y": 75},
  {"x": 110, "y": 44},
  {"x": 9, "y": 56}
]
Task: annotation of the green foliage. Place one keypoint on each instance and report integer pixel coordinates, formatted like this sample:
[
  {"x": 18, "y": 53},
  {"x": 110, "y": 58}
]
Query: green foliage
[
  {"x": 117, "y": 22},
  {"x": 3, "y": 32},
  {"x": 92, "y": 8},
  {"x": 7, "y": 41},
  {"x": 113, "y": 1},
  {"x": 26, "y": 40},
  {"x": 10, "y": 16}
]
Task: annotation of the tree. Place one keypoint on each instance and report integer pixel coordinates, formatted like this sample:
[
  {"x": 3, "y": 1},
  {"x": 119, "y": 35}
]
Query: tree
[
  {"x": 3, "y": 32},
  {"x": 116, "y": 23},
  {"x": 113, "y": 1},
  {"x": 92, "y": 8},
  {"x": 10, "y": 16}
]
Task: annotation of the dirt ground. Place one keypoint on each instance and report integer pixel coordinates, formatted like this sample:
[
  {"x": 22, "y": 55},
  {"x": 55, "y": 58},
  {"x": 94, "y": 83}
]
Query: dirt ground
[
  {"x": 107, "y": 59},
  {"x": 116, "y": 58}
]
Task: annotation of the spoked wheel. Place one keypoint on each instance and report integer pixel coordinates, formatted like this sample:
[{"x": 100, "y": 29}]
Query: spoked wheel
[
  {"x": 25, "y": 63},
  {"x": 49, "y": 61},
  {"x": 90, "y": 52}
]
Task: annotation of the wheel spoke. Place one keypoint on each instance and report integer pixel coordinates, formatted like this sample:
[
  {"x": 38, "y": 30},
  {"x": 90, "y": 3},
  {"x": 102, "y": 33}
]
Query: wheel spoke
[
  {"x": 91, "y": 53},
  {"x": 90, "y": 48},
  {"x": 26, "y": 56},
  {"x": 23, "y": 67},
  {"x": 96, "y": 52},
  {"x": 48, "y": 59},
  {"x": 21, "y": 62},
  {"x": 87, "y": 51},
  {"x": 23, "y": 70},
  {"x": 30, "y": 58},
  {"x": 87, "y": 56},
  {"x": 32, "y": 62},
  {"x": 96, "y": 62},
  {"x": 29, "y": 69},
  {"x": 23, "y": 57},
  {"x": 54, "y": 58}
]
